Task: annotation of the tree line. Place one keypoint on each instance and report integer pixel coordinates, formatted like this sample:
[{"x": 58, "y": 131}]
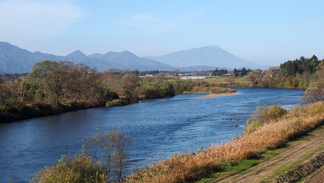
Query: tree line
[
  {"x": 55, "y": 87},
  {"x": 299, "y": 73}
]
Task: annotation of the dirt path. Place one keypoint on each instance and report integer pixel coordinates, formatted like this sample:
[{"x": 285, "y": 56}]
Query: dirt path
[{"x": 265, "y": 170}]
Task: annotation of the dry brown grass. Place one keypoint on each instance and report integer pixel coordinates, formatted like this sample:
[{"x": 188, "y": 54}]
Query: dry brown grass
[{"x": 193, "y": 166}]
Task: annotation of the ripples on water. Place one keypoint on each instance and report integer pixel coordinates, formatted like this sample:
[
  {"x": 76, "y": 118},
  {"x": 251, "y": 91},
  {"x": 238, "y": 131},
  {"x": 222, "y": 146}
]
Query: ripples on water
[{"x": 163, "y": 126}]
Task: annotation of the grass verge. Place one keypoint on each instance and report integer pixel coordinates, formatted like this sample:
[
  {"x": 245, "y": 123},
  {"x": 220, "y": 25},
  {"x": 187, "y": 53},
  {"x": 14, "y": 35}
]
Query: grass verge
[{"x": 229, "y": 169}]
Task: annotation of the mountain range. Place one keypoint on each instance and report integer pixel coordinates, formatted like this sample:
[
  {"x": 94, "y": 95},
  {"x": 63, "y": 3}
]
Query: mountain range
[
  {"x": 212, "y": 56},
  {"x": 17, "y": 60}
]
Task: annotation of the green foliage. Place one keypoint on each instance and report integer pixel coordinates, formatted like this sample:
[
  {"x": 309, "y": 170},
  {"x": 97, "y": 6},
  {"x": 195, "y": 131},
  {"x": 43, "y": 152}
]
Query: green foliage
[
  {"x": 299, "y": 73},
  {"x": 291, "y": 68},
  {"x": 263, "y": 115},
  {"x": 167, "y": 89},
  {"x": 106, "y": 95},
  {"x": 218, "y": 72},
  {"x": 54, "y": 76},
  {"x": 157, "y": 89},
  {"x": 81, "y": 169}
]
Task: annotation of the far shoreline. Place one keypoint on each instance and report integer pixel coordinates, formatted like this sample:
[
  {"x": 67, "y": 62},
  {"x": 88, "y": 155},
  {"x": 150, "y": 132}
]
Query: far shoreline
[{"x": 217, "y": 95}]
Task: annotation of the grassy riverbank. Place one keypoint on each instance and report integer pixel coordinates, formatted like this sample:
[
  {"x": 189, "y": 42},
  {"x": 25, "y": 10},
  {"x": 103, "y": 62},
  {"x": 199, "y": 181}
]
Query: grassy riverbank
[{"x": 272, "y": 135}]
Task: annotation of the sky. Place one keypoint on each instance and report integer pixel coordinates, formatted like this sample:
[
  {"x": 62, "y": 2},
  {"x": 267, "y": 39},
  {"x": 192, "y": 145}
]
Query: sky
[{"x": 260, "y": 31}]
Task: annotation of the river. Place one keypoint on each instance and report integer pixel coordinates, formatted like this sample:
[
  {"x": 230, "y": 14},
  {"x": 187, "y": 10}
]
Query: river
[{"x": 156, "y": 127}]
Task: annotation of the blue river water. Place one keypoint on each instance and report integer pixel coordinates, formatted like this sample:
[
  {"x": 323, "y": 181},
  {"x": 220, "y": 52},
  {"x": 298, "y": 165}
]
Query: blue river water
[{"x": 158, "y": 128}]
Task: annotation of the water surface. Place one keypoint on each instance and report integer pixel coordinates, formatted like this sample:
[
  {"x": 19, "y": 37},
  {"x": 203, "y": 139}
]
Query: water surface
[{"x": 163, "y": 126}]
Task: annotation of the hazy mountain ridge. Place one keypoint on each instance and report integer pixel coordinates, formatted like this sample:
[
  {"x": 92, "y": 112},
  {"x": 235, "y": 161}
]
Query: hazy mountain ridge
[
  {"x": 212, "y": 56},
  {"x": 16, "y": 60}
]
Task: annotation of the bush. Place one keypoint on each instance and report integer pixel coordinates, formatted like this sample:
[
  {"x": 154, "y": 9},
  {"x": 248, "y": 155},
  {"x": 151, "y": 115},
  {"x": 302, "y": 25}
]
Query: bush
[
  {"x": 263, "y": 115},
  {"x": 313, "y": 95},
  {"x": 78, "y": 169}
]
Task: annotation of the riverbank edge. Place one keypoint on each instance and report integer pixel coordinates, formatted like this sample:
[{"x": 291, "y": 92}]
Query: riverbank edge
[{"x": 22, "y": 111}]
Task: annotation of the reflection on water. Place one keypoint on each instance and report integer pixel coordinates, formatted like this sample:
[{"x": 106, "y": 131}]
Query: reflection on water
[{"x": 158, "y": 126}]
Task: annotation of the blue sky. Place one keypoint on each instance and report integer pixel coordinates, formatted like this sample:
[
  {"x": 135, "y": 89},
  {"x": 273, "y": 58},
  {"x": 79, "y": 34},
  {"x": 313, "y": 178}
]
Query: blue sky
[{"x": 260, "y": 31}]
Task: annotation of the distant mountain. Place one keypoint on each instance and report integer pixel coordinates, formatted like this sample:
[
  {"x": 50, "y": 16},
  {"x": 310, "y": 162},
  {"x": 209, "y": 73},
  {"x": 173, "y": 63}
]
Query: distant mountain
[
  {"x": 128, "y": 60},
  {"x": 212, "y": 56},
  {"x": 16, "y": 60}
]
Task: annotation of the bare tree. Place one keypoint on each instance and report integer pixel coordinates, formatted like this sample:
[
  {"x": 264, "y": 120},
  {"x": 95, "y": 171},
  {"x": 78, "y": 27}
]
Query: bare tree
[
  {"x": 111, "y": 149},
  {"x": 112, "y": 79},
  {"x": 82, "y": 82}
]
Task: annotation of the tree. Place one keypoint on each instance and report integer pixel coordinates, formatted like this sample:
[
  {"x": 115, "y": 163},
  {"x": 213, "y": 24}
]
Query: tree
[
  {"x": 244, "y": 71},
  {"x": 315, "y": 91},
  {"x": 83, "y": 82},
  {"x": 320, "y": 75},
  {"x": 218, "y": 72},
  {"x": 176, "y": 74},
  {"x": 54, "y": 75},
  {"x": 6, "y": 95},
  {"x": 269, "y": 79},
  {"x": 112, "y": 79},
  {"x": 111, "y": 149},
  {"x": 255, "y": 77},
  {"x": 21, "y": 86},
  {"x": 160, "y": 77},
  {"x": 235, "y": 72}
]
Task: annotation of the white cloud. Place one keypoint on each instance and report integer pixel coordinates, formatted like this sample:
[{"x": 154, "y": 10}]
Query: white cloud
[
  {"x": 147, "y": 21},
  {"x": 32, "y": 19}
]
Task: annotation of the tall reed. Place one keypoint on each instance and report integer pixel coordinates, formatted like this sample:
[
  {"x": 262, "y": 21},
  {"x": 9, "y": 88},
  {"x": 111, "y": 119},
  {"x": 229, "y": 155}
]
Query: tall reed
[{"x": 194, "y": 166}]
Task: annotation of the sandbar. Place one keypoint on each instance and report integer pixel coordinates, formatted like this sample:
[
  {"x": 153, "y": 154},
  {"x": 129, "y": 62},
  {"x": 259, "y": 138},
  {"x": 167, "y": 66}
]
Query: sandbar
[{"x": 217, "y": 95}]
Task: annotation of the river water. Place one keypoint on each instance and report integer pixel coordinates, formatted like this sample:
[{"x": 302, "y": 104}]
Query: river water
[{"x": 157, "y": 128}]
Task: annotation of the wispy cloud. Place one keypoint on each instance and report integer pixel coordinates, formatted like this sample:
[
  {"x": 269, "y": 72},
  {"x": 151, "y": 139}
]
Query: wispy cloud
[
  {"x": 148, "y": 21},
  {"x": 32, "y": 19}
]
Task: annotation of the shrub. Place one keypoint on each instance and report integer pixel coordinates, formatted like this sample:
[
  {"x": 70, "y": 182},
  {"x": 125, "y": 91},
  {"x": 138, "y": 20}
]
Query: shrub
[
  {"x": 263, "y": 115},
  {"x": 313, "y": 95},
  {"x": 78, "y": 169},
  {"x": 110, "y": 149}
]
